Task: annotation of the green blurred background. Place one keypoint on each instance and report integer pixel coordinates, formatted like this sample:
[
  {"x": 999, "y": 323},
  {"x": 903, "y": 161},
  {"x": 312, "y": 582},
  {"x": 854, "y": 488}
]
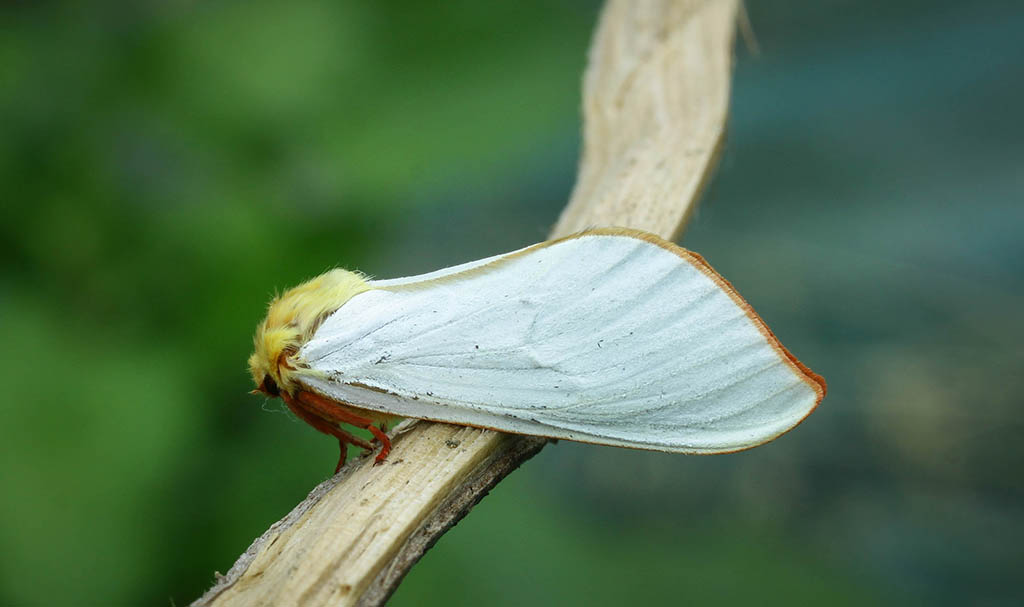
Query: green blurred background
[{"x": 164, "y": 166}]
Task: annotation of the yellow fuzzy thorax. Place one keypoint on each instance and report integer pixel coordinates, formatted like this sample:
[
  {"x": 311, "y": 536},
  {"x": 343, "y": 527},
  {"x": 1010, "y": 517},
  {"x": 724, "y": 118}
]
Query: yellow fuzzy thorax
[{"x": 291, "y": 320}]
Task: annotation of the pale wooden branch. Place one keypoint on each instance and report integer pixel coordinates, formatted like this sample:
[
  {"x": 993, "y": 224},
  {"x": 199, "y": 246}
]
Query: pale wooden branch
[{"x": 655, "y": 103}]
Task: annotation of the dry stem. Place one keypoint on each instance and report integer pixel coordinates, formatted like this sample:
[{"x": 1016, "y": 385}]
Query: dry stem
[{"x": 655, "y": 103}]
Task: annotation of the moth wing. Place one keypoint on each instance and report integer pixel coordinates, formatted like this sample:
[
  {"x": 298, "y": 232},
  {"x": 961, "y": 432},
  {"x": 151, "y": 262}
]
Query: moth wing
[{"x": 610, "y": 336}]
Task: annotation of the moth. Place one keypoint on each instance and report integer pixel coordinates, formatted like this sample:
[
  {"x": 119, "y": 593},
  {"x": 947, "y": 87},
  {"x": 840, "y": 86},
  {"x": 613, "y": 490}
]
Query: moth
[{"x": 610, "y": 336}]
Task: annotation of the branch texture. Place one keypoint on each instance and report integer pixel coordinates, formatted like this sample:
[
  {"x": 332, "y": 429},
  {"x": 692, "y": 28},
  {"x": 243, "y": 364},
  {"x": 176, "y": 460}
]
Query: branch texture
[{"x": 655, "y": 102}]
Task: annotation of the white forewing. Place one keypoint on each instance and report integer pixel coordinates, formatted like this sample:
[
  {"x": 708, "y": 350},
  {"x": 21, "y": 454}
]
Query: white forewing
[{"x": 605, "y": 337}]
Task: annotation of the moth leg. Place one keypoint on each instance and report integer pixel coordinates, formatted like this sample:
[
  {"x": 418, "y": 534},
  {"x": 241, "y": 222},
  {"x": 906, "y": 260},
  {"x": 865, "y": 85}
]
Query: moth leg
[
  {"x": 344, "y": 437},
  {"x": 331, "y": 410}
]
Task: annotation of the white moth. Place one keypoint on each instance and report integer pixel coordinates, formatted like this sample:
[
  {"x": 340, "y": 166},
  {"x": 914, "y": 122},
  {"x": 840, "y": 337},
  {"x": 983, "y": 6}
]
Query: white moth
[{"x": 609, "y": 336}]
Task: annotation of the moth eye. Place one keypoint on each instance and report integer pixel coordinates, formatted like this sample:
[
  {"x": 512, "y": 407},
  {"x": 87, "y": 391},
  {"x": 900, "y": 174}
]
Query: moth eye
[{"x": 270, "y": 386}]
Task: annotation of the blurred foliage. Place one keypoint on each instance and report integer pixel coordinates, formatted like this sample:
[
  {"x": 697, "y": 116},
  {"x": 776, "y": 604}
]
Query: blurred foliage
[{"x": 166, "y": 166}]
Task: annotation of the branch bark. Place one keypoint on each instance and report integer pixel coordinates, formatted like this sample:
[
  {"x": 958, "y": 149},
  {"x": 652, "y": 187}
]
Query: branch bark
[{"x": 655, "y": 103}]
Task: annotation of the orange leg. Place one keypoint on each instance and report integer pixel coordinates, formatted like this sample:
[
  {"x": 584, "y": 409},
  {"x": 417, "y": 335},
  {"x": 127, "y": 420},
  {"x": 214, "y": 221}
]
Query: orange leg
[
  {"x": 328, "y": 409},
  {"x": 311, "y": 418}
]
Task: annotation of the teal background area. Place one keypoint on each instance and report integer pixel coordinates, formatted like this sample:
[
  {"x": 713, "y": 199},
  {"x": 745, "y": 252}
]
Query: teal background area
[{"x": 164, "y": 167}]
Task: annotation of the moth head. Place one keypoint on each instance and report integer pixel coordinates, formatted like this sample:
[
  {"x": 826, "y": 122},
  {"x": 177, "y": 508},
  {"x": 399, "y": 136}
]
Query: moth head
[
  {"x": 269, "y": 364},
  {"x": 292, "y": 319}
]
